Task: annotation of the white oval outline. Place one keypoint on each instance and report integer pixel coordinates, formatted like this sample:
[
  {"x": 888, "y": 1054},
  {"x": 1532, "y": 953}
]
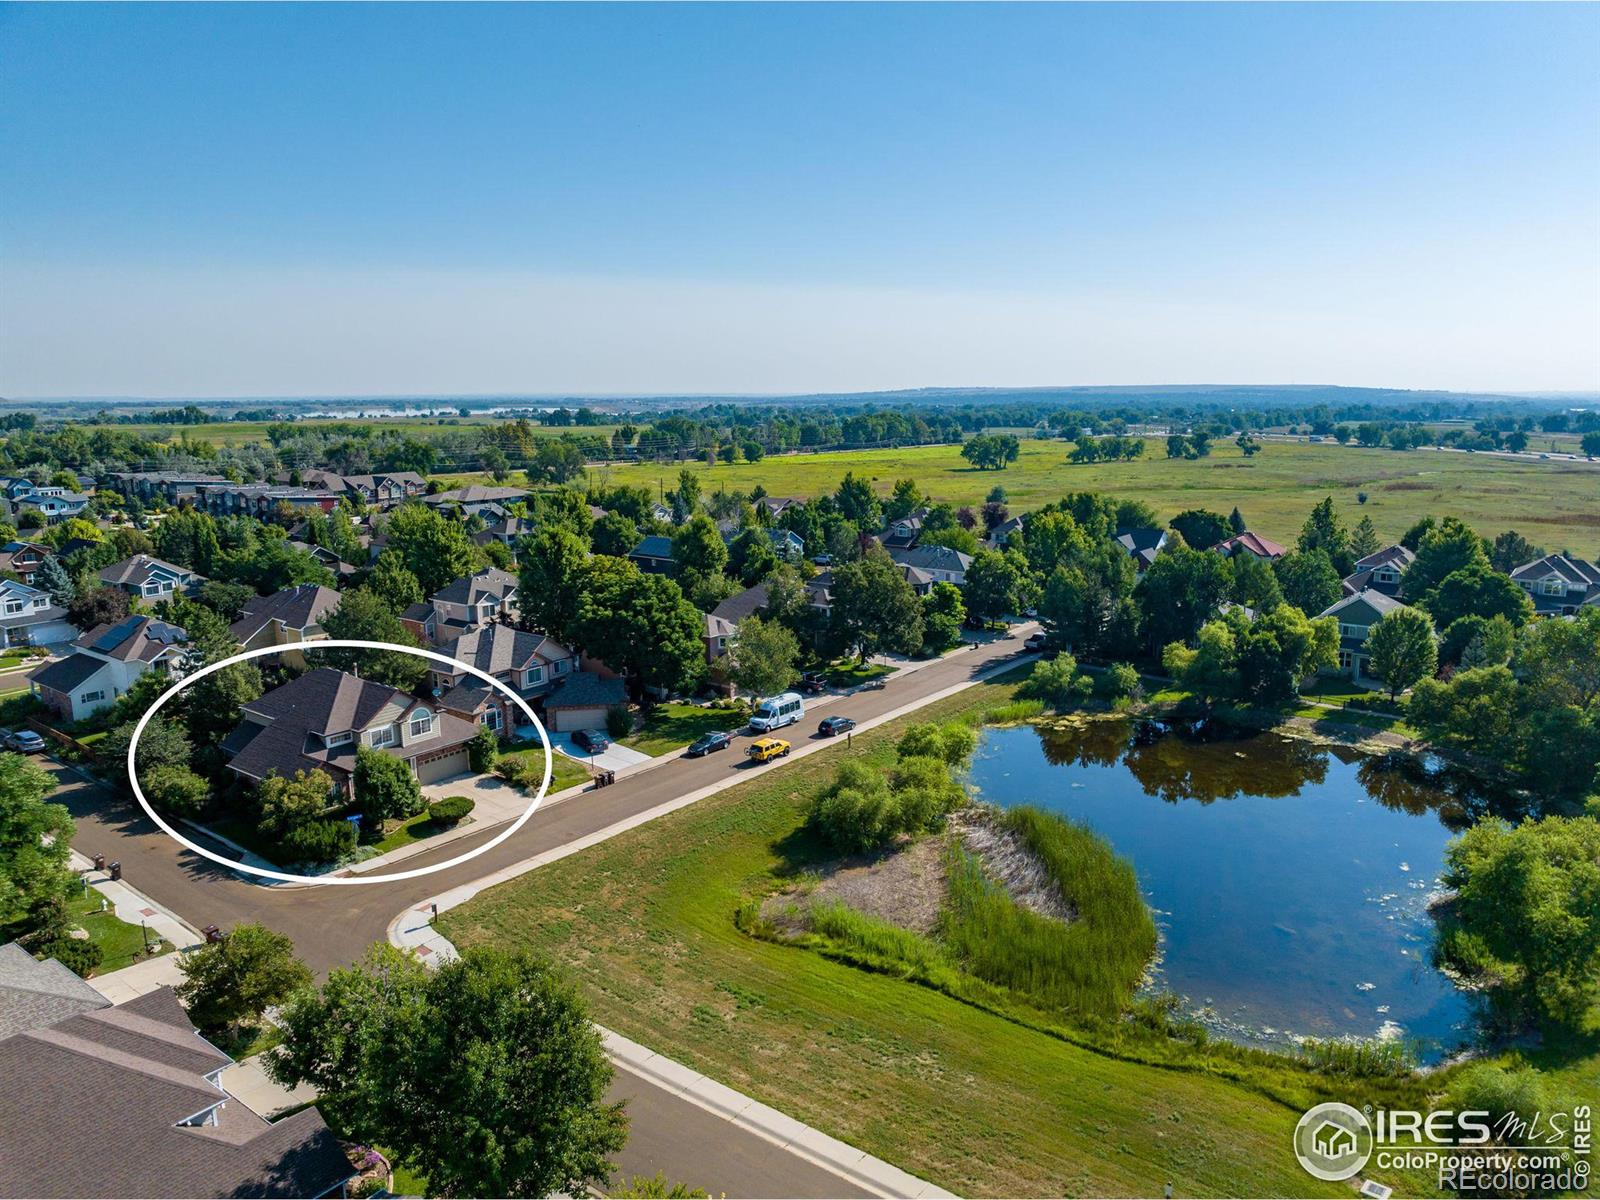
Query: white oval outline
[{"x": 330, "y": 644}]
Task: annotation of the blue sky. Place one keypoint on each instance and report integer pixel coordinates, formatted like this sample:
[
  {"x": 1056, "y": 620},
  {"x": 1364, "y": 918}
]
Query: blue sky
[{"x": 232, "y": 199}]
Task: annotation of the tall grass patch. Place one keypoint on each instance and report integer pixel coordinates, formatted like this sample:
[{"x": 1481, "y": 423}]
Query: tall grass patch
[{"x": 1091, "y": 965}]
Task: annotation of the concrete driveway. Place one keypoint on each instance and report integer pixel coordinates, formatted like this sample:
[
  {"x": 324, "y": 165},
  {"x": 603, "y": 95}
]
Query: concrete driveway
[
  {"x": 616, "y": 758},
  {"x": 494, "y": 800}
]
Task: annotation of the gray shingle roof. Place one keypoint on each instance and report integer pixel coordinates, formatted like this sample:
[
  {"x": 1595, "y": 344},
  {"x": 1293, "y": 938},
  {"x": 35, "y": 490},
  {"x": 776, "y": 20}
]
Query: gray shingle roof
[
  {"x": 141, "y": 638},
  {"x": 496, "y": 648},
  {"x": 491, "y": 584},
  {"x": 584, "y": 689},
  {"x": 65, "y": 674},
  {"x": 36, "y": 993},
  {"x": 108, "y": 1091},
  {"x": 141, "y": 567}
]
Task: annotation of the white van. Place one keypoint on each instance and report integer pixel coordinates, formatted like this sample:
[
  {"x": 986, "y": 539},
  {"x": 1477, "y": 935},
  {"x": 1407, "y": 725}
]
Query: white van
[{"x": 778, "y": 711}]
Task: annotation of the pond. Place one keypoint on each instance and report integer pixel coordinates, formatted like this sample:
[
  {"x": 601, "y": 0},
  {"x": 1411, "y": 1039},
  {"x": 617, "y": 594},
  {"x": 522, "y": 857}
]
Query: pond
[{"x": 1290, "y": 881}]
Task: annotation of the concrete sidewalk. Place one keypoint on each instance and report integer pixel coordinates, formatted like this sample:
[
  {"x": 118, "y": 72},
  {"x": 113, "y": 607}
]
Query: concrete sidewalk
[{"x": 134, "y": 906}]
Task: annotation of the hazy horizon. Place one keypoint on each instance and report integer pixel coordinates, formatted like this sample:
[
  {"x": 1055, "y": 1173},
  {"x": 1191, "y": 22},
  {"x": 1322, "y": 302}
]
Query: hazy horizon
[{"x": 252, "y": 201}]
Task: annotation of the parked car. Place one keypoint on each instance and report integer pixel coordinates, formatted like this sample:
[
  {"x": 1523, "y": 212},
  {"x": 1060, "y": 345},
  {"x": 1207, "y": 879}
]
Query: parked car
[
  {"x": 707, "y": 743},
  {"x": 1036, "y": 641},
  {"x": 766, "y": 749},
  {"x": 813, "y": 682},
  {"x": 833, "y": 726},
  {"x": 24, "y": 740},
  {"x": 823, "y": 560},
  {"x": 591, "y": 740}
]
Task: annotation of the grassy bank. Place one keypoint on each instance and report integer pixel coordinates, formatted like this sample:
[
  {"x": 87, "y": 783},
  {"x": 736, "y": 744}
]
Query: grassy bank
[
  {"x": 1552, "y": 503},
  {"x": 978, "y": 1099}
]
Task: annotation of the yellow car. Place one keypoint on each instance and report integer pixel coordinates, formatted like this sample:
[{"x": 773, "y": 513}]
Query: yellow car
[{"x": 766, "y": 749}]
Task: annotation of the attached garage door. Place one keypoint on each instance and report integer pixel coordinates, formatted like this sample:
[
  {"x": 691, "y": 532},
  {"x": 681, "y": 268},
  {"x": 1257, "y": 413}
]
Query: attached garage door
[
  {"x": 570, "y": 720},
  {"x": 436, "y": 769}
]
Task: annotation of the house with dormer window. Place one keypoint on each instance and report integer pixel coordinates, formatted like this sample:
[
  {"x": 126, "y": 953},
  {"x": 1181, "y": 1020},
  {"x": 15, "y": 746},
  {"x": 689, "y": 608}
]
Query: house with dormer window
[
  {"x": 150, "y": 578},
  {"x": 1379, "y": 571},
  {"x": 1559, "y": 584},
  {"x": 318, "y": 721},
  {"x": 530, "y": 664},
  {"x": 474, "y": 601},
  {"x": 29, "y": 617},
  {"x": 104, "y": 664},
  {"x": 23, "y": 558},
  {"x": 1356, "y": 615}
]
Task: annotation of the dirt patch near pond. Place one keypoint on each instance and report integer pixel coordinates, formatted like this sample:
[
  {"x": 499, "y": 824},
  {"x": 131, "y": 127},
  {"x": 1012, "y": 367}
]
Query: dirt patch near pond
[
  {"x": 905, "y": 888},
  {"x": 1009, "y": 862}
]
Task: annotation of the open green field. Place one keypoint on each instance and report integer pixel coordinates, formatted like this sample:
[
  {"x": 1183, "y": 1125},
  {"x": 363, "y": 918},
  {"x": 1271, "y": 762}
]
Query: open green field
[
  {"x": 1553, "y": 504},
  {"x": 974, "y": 1101}
]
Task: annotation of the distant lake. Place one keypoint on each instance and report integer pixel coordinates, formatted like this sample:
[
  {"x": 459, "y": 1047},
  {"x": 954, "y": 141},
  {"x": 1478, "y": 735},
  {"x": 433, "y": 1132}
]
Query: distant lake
[{"x": 1289, "y": 881}]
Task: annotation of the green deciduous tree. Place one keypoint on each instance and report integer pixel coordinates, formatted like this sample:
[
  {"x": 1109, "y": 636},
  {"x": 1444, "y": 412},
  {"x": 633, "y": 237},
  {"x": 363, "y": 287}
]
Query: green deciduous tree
[
  {"x": 392, "y": 581},
  {"x": 639, "y": 624},
  {"x": 1476, "y": 591},
  {"x": 998, "y": 584},
  {"x": 434, "y": 548},
  {"x": 1308, "y": 580},
  {"x": 1527, "y": 913},
  {"x": 943, "y": 614},
  {"x": 1403, "y": 649},
  {"x": 385, "y": 787},
  {"x": 501, "y": 1090},
  {"x": 874, "y": 608},
  {"x": 698, "y": 546},
  {"x": 1201, "y": 528},
  {"x": 1442, "y": 548},
  {"x": 365, "y": 616},
  {"x": 35, "y": 847},
  {"x": 288, "y": 803},
  {"x": 550, "y": 581},
  {"x": 1179, "y": 592},
  {"x": 230, "y": 983},
  {"x": 763, "y": 654},
  {"x": 615, "y": 534}
]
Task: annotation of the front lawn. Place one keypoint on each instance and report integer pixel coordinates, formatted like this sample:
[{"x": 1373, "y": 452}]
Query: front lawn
[
  {"x": 979, "y": 1101},
  {"x": 413, "y": 829},
  {"x": 121, "y": 944},
  {"x": 847, "y": 672},
  {"x": 671, "y": 727}
]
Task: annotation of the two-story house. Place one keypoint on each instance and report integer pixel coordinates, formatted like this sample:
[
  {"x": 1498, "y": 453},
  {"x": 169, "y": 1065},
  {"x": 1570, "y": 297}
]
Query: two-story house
[
  {"x": 53, "y": 503},
  {"x": 653, "y": 555},
  {"x": 23, "y": 558},
  {"x": 317, "y": 722},
  {"x": 530, "y": 664},
  {"x": 1250, "y": 543},
  {"x": 1379, "y": 571},
  {"x": 386, "y": 490},
  {"x": 1558, "y": 584},
  {"x": 1356, "y": 616},
  {"x": 104, "y": 664},
  {"x": 940, "y": 564},
  {"x": 903, "y": 534},
  {"x": 474, "y": 601},
  {"x": 285, "y": 618},
  {"x": 150, "y": 578},
  {"x": 29, "y": 617}
]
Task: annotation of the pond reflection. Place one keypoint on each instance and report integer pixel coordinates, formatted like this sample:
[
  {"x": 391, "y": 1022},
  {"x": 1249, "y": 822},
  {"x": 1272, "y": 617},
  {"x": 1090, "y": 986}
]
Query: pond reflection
[{"x": 1290, "y": 880}]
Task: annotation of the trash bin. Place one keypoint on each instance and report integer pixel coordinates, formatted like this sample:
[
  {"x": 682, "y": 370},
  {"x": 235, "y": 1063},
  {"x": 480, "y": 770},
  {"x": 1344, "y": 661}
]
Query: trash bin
[
  {"x": 99, "y": 862},
  {"x": 116, "y": 869},
  {"x": 213, "y": 934}
]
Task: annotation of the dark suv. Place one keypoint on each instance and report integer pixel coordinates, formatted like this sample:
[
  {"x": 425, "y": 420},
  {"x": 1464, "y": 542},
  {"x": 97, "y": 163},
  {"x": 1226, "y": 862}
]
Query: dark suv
[
  {"x": 591, "y": 740},
  {"x": 834, "y": 726}
]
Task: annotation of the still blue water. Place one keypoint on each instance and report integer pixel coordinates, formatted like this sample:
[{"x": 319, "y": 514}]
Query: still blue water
[{"x": 1290, "y": 882}]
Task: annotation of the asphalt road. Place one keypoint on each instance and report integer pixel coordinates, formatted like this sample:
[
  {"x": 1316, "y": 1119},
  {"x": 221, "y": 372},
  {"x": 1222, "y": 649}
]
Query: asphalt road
[{"x": 333, "y": 926}]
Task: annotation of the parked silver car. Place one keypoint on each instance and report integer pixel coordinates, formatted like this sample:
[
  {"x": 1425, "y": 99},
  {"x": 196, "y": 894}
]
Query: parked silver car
[{"x": 24, "y": 740}]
